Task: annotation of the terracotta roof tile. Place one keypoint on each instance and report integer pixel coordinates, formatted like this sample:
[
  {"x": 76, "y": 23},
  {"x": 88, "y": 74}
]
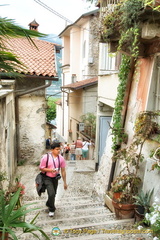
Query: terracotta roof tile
[
  {"x": 39, "y": 60},
  {"x": 81, "y": 84}
]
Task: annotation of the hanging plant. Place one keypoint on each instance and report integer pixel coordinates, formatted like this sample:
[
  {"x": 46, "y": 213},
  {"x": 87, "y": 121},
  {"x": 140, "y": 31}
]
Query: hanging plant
[
  {"x": 117, "y": 129},
  {"x": 123, "y": 24}
]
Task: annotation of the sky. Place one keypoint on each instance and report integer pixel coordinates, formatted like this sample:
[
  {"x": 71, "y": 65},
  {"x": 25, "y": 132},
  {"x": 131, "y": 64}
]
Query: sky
[{"x": 25, "y": 11}]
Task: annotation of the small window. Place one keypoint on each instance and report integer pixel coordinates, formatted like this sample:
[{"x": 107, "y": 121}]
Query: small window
[{"x": 84, "y": 49}]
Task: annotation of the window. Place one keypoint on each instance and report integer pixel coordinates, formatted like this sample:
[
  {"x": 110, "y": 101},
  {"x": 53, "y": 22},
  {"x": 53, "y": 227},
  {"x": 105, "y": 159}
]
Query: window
[
  {"x": 108, "y": 61},
  {"x": 154, "y": 93}
]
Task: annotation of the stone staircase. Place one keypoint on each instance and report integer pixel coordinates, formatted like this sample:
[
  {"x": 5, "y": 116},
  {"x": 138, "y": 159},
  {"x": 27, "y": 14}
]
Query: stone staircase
[{"x": 79, "y": 214}]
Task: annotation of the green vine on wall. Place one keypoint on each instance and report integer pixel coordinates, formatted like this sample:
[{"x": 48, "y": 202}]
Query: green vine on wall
[
  {"x": 117, "y": 127},
  {"x": 124, "y": 24}
]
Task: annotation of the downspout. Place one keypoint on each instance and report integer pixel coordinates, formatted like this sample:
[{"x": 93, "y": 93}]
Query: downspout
[
  {"x": 126, "y": 101},
  {"x": 35, "y": 89},
  {"x": 17, "y": 109},
  {"x": 63, "y": 91}
]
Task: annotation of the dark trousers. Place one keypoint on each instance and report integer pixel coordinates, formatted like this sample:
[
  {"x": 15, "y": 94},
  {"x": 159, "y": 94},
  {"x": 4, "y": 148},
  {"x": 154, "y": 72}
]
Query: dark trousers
[{"x": 51, "y": 186}]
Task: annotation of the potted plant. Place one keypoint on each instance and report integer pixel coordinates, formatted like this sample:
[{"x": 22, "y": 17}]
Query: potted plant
[
  {"x": 142, "y": 204},
  {"x": 131, "y": 157},
  {"x": 124, "y": 205},
  {"x": 12, "y": 217},
  {"x": 128, "y": 179},
  {"x": 118, "y": 186}
]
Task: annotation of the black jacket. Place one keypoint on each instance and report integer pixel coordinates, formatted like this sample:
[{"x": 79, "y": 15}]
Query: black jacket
[{"x": 40, "y": 186}]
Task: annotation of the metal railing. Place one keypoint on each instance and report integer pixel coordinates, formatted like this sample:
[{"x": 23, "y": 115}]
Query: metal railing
[{"x": 107, "y": 6}]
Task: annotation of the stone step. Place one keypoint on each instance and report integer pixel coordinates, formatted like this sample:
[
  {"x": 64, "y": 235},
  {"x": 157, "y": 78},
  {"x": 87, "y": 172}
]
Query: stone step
[
  {"x": 114, "y": 229},
  {"x": 60, "y": 218},
  {"x": 86, "y": 229},
  {"x": 70, "y": 205},
  {"x": 65, "y": 200}
]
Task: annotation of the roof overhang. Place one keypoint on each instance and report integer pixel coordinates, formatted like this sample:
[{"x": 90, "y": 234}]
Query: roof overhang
[
  {"x": 78, "y": 22},
  {"x": 81, "y": 84},
  {"x": 4, "y": 76}
]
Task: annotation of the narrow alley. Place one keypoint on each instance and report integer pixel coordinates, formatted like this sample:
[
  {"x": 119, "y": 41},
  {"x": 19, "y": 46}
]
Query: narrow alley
[{"x": 80, "y": 214}]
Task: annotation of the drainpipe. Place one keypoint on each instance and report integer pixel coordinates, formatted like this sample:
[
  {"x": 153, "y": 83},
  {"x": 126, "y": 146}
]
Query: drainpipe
[
  {"x": 17, "y": 108},
  {"x": 63, "y": 91},
  {"x": 126, "y": 101},
  {"x": 35, "y": 89}
]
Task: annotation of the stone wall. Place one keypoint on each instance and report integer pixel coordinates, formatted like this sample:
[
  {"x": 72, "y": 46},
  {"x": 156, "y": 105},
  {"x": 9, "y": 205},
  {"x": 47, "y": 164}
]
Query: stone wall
[
  {"x": 31, "y": 127},
  {"x": 102, "y": 176},
  {"x": 93, "y": 46},
  {"x": 31, "y": 109}
]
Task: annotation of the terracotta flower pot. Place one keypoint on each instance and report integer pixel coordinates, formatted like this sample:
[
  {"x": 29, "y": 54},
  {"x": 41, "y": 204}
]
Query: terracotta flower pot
[{"x": 123, "y": 211}]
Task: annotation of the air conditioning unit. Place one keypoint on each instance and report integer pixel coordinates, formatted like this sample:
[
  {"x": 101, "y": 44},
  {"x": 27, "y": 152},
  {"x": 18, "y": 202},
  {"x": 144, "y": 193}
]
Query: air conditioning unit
[{"x": 90, "y": 60}]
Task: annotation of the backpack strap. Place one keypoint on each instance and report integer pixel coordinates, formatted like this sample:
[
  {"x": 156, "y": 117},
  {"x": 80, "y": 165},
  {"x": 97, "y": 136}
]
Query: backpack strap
[
  {"x": 47, "y": 162},
  {"x": 58, "y": 162}
]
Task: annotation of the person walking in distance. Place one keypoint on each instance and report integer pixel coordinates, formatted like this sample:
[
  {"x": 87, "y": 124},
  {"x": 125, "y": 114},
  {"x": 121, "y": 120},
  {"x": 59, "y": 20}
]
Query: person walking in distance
[
  {"x": 66, "y": 151},
  {"x": 79, "y": 146},
  {"x": 72, "y": 151},
  {"x": 51, "y": 175},
  {"x": 85, "y": 149},
  {"x": 48, "y": 143}
]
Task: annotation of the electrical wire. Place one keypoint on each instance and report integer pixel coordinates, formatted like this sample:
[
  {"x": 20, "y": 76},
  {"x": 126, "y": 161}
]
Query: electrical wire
[
  {"x": 59, "y": 15},
  {"x": 52, "y": 11}
]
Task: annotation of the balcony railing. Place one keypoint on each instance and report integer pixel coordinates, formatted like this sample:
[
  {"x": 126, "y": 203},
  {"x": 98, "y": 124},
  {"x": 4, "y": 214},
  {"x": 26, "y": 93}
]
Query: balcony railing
[{"x": 107, "y": 6}]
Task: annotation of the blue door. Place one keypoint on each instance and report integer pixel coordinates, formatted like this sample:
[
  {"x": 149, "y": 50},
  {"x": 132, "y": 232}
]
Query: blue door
[{"x": 103, "y": 132}]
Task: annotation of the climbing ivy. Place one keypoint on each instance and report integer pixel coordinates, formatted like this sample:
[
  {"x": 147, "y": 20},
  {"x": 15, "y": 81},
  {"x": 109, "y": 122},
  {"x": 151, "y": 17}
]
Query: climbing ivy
[{"x": 117, "y": 127}]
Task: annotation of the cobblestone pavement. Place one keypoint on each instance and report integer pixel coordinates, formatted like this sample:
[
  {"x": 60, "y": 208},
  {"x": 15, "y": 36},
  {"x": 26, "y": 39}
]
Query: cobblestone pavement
[{"x": 79, "y": 213}]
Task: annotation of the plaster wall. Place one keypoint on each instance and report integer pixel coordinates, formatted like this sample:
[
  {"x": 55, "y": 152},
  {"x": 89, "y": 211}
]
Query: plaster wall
[
  {"x": 31, "y": 127},
  {"x": 75, "y": 111},
  {"x": 138, "y": 94},
  {"x": 107, "y": 89},
  {"x": 66, "y": 53},
  {"x": 75, "y": 49},
  {"x": 90, "y": 100},
  {"x": 59, "y": 118},
  {"x": 138, "y": 101}
]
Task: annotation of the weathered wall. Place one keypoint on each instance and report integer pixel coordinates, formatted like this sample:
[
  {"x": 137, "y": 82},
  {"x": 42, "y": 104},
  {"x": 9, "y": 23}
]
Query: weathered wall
[
  {"x": 93, "y": 52},
  {"x": 31, "y": 127},
  {"x": 101, "y": 178},
  {"x": 138, "y": 101},
  {"x": 8, "y": 158},
  {"x": 31, "y": 123}
]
